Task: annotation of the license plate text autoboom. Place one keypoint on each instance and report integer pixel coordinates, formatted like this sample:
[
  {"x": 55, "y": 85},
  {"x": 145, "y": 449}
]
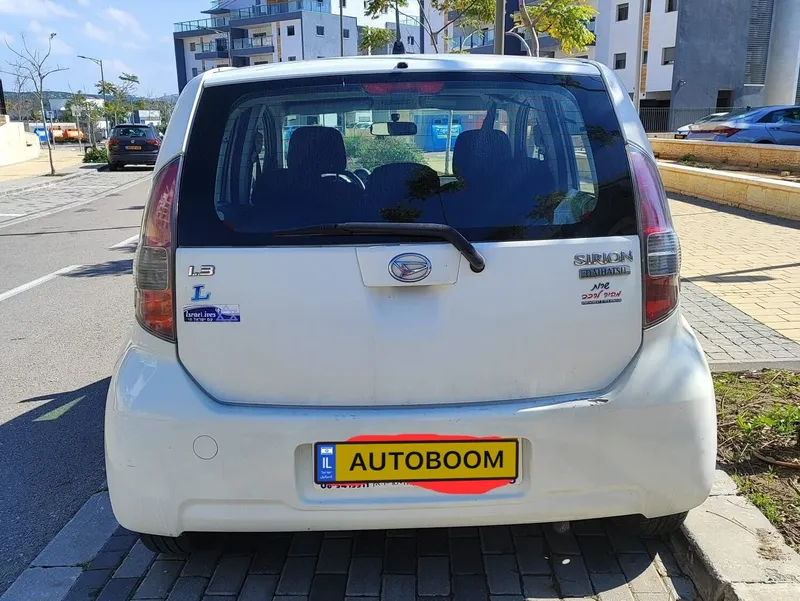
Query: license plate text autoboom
[{"x": 416, "y": 461}]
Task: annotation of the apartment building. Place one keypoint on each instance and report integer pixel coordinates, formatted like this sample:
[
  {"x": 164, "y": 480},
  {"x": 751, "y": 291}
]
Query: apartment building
[
  {"x": 714, "y": 53},
  {"x": 239, "y": 33}
]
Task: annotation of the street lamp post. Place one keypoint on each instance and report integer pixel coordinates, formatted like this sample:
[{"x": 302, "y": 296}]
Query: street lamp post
[{"x": 99, "y": 62}]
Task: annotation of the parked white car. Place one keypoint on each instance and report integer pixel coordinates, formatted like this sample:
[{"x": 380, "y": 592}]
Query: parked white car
[{"x": 485, "y": 336}]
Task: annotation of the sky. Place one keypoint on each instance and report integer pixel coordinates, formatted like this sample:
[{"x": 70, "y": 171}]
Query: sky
[{"x": 129, "y": 36}]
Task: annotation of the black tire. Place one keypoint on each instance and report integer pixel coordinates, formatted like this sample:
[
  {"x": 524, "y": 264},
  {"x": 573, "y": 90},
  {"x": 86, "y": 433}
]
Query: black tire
[
  {"x": 182, "y": 545},
  {"x": 113, "y": 166},
  {"x": 638, "y": 525}
]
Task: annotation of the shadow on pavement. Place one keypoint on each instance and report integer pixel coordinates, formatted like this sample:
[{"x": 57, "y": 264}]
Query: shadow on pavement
[
  {"x": 118, "y": 267},
  {"x": 51, "y": 461},
  {"x": 731, "y": 211},
  {"x": 95, "y": 229},
  {"x": 732, "y": 277},
  {"x": 132, "y": 208}
]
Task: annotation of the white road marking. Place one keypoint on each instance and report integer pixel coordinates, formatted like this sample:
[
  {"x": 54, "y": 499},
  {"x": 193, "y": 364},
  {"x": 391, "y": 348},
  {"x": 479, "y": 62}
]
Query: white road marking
[
  {"x": 38, "y": 281},
  {"x": 12, "y": 214},
  {"x": 125, "y": 242}
]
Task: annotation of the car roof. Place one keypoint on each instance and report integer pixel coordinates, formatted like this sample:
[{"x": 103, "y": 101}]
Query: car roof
[{"x": 388, "y": 63}]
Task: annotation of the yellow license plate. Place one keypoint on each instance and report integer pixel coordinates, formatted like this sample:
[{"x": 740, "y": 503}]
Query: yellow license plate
[
  {"x": 133, "y": 148},
  {"x": 416, "y": 461}
]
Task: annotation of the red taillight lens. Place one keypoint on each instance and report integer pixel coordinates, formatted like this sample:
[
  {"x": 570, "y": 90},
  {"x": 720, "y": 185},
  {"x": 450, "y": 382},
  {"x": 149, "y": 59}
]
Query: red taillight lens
[
  {"x": 153, "y": 276},
  {"x": 660, "y": 245},
  {"x": 113, "y": 141},
  {"x": 727, "y": 131},
  {"x": 154, "y": 142}
]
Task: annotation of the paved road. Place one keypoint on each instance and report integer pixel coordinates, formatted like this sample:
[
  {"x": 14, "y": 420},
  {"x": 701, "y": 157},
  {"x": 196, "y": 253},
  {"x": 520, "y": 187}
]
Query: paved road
[{"x": 59, "y": 341}]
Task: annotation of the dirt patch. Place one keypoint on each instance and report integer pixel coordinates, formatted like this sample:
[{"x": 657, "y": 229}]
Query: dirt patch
[{"x": 759, "y": 443}]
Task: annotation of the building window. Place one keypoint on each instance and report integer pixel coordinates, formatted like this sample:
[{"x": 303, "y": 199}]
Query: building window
[
  {"x": 672, "y": 6},
  {"x": 292, "y": 58},
  {"x": 758, "y": 36},
  {"x": 644, "y": 58},
  {"x": 194, "y": 71},
  {"x": 346, "y": 34},
  {"x": 668, "y": 57},
  {"x": 620, "y": 60},
  {"x": 320, "y": 30},
  {"x": 344, "y": 3},
  {"x": 261, "y": 63},
  {"x": 548, "y": 54},
  {"x": 410, "y": 40},
  {"x": 385, "y": 11},
  {"x": 622, "y": 12},
  {"x": 290, "y": 30},
  {"x": 648, "y": 6},
  {"x": 192, "y": 46},
  {"x": 724, "y": 99},
  {"x": 260, "y": 35}
]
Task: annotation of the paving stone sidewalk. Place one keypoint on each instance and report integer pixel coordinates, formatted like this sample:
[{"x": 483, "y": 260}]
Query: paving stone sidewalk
[
  {"x": 503, "y": 563},
  {"x": 52, "y": 194}
]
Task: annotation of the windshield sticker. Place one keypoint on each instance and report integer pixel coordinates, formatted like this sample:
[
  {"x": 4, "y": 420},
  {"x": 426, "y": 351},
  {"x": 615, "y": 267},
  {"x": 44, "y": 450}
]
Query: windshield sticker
[
  {"x": 221, "y": 313},
  {"x": 601, "y": 294},
  {"x": 199, "y": 294}
]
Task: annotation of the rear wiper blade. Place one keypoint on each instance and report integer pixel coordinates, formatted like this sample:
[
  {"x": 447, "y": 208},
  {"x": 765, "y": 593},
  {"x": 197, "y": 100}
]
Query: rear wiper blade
[{"x": 423, "y": 230}]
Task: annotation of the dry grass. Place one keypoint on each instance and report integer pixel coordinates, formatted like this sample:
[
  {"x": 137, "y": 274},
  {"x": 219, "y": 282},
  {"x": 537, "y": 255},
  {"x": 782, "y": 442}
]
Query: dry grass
[{"x": 759, "y": 423}]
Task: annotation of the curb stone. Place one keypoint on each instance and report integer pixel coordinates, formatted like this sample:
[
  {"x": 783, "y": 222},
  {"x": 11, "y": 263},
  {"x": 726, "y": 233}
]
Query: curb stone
[
  {"x": 44, "y": 182},
  {"x": 733, "y": 553}
]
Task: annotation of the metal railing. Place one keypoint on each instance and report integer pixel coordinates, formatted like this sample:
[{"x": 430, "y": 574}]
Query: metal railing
[
  {"x": 669, "y": 119},
  {"x": 215, "y": 46},
  {"x": 257, "y": 42},
  {"x": 265, "y": 10},
  {"x": 211, "y": 23}
]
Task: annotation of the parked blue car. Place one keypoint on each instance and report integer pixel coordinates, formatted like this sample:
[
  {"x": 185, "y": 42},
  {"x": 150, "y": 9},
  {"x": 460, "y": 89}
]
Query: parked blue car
[{"x": 765, "y": 125}]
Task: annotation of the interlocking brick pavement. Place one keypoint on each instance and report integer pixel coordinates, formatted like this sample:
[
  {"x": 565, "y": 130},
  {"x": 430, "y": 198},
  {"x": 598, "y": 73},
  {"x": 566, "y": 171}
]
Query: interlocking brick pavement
[
  {"x": 500, "y": 563},
  {"x": 752, "y": 261}
]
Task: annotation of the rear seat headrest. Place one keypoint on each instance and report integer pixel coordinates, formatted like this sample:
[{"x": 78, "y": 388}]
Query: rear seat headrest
[{"x": 315, "y": 150}]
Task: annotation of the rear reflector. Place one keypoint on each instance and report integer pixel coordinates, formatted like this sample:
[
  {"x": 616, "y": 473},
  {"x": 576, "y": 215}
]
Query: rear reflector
[
  {"x": 726, "y": 131},
  {"x": 153, "y": 276},
  {"x": 660, "y": 244}
]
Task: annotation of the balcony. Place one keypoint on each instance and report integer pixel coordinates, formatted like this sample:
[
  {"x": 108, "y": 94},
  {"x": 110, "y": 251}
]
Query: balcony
[
  {"x": 202, "y": 24},
  {"x": 268, "y": 10},
  {"x": 218, "y": 7},
  {"x": 211, "y": 50},
  {"x": 255, "y": 45},
  {"x": 479, "y": 39}
]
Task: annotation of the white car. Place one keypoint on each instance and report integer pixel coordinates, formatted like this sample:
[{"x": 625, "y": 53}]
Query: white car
[{"x": 485, "y": 336}]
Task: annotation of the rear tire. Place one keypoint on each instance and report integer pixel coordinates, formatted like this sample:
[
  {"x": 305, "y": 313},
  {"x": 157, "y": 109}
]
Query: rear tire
[
  {"x": 113, "y": 166},
  {"x": 642, "y": 527},
  {"x": 181, "y": 545}
]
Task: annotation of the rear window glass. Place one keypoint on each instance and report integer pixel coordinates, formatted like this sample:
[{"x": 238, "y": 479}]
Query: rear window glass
[
  {"x": 499, "y": 156},
  {"x": 131, "y": 131}
]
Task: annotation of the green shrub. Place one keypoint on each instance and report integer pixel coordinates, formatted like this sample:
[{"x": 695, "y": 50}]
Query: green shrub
[
  {"x": 369, "y": 152},
  {"x": 95, "y": 155}
]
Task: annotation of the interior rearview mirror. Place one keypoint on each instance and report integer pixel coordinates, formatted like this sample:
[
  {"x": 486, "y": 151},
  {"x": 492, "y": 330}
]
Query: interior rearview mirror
[{"x": 394, "y": 128}]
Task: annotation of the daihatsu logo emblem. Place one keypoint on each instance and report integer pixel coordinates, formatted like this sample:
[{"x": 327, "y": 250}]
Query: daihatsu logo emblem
[{"x": 409, "y": 267}]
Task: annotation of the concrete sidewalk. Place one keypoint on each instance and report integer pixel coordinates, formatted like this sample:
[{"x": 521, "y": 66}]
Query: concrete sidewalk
[{"x": 64, "y": 159}]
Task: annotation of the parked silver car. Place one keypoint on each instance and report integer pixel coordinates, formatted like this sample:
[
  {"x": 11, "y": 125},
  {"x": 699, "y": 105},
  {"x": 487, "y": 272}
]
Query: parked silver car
[
  {"x": 765, "y": 125},
  {"x": 684, "y": 131}
]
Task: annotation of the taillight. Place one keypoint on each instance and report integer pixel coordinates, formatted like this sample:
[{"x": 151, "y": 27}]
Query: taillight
[
  {"x": 113, "y": 141},
  {"x": 726, "y": 131},
  {"x": 660, "y": 246},
  {"x": 153, "y": 277},
  {"x": 154, "y": 142}
]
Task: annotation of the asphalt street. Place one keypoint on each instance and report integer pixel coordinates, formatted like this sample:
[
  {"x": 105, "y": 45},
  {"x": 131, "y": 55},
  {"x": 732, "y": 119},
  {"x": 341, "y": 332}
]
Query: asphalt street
[{"x": 66, "y": 303}]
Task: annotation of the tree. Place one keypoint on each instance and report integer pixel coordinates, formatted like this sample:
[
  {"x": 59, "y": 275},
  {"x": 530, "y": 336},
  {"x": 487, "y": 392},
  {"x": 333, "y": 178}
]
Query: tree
[
  {"x": 564, "y": 20},
  {"x": 466, "y": 12},
  {"x": 374, "y": 38},
  {"x": 118, "y": 96},
  {"x": 32, "y": 65},
  {"x": 21, "y": 102}
]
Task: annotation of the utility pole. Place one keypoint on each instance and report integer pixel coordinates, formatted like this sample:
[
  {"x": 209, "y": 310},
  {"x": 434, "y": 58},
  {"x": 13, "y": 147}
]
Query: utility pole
[
  {"x": 639, "y": 52},
  {"x": 499, "y": 27},
  {"x": 341, "y": 27},
  {"x": 99, "y": 63}
]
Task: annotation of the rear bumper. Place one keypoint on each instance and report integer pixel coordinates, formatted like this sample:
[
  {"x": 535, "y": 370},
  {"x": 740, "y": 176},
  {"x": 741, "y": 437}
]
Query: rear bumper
[
  {"x": 645, "y": 446},
  {"x": 133, "y": 157}
]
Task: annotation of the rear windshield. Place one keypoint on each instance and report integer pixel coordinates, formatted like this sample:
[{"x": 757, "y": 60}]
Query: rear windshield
[
  {"x": 131, "y": 131},
  {"x": 498, "y": 156}
]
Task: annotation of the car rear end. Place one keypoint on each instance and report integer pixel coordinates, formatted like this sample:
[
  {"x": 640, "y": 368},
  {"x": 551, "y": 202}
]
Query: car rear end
[
  {"x": 736, "y": 126},
  {"x": 276, "y": 381},
  {"x": 133, "y": 145}
]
